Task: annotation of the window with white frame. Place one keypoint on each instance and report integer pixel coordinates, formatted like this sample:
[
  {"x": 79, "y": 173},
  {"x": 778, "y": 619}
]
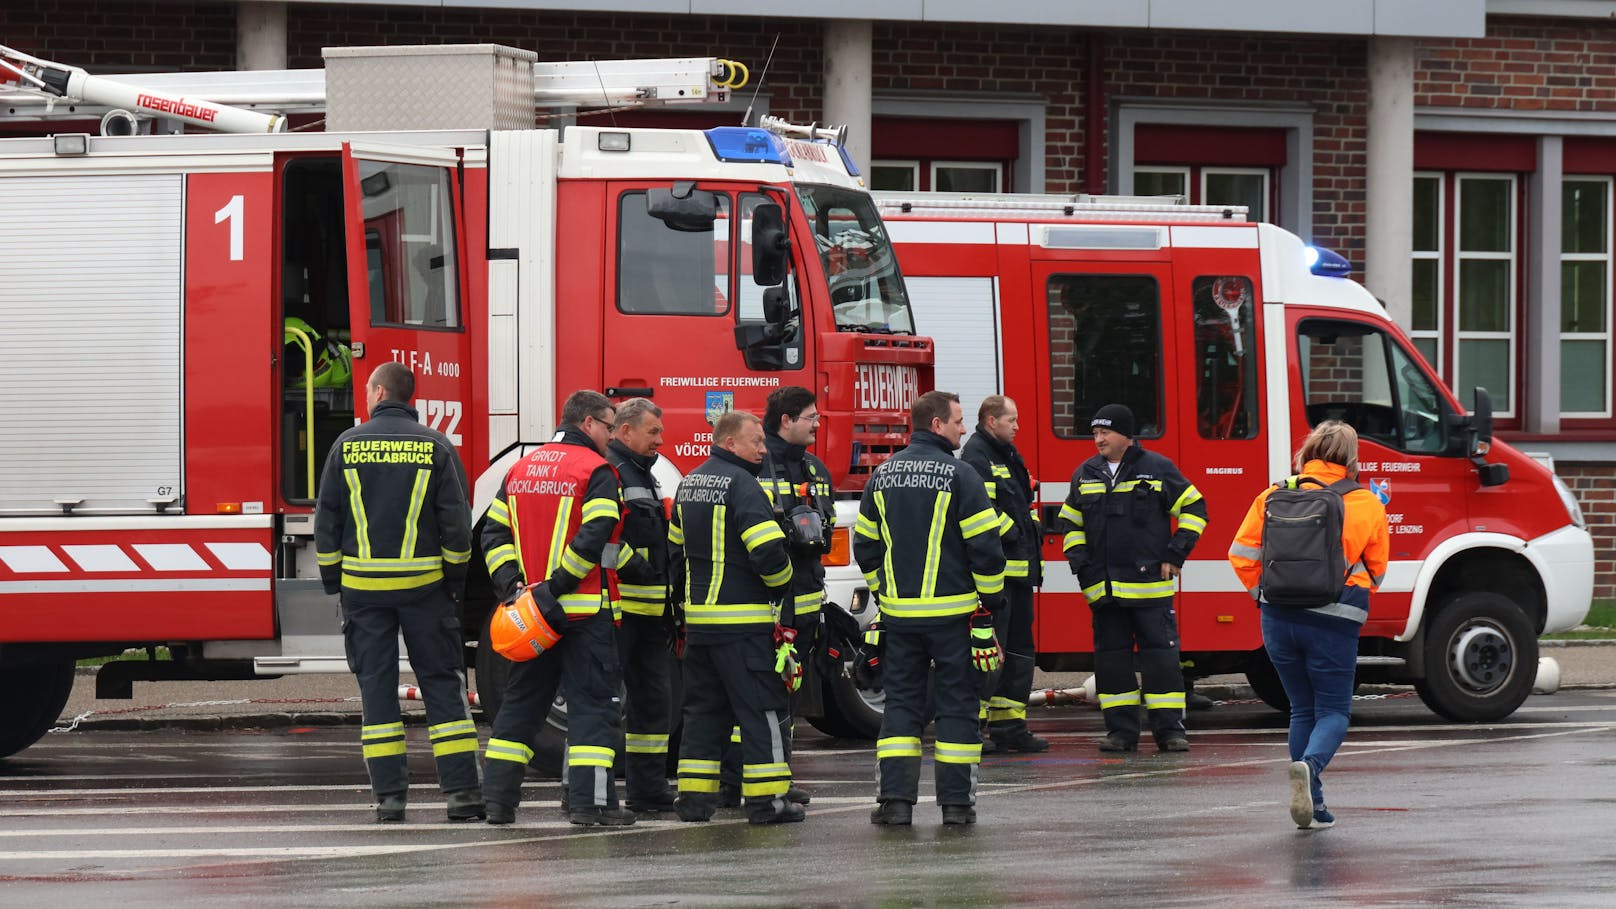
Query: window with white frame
[
  {"x": 966, "y": 176},
  {"x": 1484, "y": 287},
  {"x": 1162, "y": 181},
  {"x": 1247, "y": 186},
  {"x": 1585, "y": 282},
  {"x": 1426, "y": 325},
  {"x": 895, "y": 176}
]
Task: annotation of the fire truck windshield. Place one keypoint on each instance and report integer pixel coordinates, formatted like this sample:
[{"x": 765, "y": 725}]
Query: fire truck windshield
[{"x": 861, "y": 270}]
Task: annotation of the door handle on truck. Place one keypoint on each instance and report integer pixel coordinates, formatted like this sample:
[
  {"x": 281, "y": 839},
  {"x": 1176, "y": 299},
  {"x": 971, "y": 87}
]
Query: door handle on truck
[{"x": 629, "y": 391}]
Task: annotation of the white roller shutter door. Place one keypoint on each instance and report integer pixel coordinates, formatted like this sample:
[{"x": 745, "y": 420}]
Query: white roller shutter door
[
  {"x": 91, "y": 276},
  {"x": 961, "y": 315}
]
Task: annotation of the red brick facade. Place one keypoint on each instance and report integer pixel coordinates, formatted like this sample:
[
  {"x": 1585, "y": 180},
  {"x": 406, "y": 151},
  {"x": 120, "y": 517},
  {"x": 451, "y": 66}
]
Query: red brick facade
[{"x": 1523, "y": 64}]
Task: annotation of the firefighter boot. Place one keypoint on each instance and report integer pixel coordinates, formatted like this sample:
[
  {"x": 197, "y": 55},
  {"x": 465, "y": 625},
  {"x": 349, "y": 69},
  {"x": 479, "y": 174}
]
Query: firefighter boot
[
  {"x": 390, "y": 808},
  {"x": 893, "y": 813},
  {"x": 596, "y": 816},
  {"x": 773, "y": 810},
  {"x": 465, "y": 805},
  {"x": 695, "y": 807},
  {"x": 958, "y": 815},
  {"x": 502, "y": 790}
]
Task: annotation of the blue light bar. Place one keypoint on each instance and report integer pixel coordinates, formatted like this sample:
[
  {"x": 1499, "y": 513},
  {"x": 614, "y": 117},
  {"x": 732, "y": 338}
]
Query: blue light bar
[
  {"x": 1327, "y": 262},
  {"x": 745, "y": 145},
  {"x": 847, "y": 159}
]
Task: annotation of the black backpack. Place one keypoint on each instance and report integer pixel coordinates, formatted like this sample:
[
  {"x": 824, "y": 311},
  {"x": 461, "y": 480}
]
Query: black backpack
[{"x": 1303, "y": 565}]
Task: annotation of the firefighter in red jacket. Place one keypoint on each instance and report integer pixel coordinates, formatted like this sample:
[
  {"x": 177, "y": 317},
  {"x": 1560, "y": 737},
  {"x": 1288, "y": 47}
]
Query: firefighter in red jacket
[
  {"x": 551, "y": 524},
  {"x": 393, "y": 534}
]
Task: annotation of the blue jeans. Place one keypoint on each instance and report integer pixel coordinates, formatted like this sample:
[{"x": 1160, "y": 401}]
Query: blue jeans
[{"x": 1317, "y": 666}]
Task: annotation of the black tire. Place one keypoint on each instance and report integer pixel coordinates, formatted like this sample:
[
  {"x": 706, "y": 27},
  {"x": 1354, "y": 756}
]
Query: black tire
[
  {"x": 850, "y": 712},
  {"x": 1264, "y": 680},
  {"x": 1480, "y": 657},
  {"x": 493, "y": 671},
  {"x": 33, "y": 698}
]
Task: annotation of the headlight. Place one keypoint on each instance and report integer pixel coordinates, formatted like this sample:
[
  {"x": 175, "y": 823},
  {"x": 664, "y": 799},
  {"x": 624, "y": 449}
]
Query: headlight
[{"x": 1569, "y": 500}]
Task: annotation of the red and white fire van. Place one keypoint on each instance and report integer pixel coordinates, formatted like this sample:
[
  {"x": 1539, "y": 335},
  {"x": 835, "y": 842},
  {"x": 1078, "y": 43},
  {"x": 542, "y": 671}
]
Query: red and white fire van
[{"x": 1229, "y": 340}]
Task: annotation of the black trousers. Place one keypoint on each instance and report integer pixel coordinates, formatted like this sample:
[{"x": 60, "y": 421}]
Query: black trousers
[
  {"x": 942, "y": 652},
  {"x": 648, "y": 666},
  {"x": 1004, "y": 692},
  {"x": 808, "y": 698},
  {"x": 1153, "y": 629},
  {"x": 585, "y": 664},
  {"x": 431, "y": 630},
  {"x": 729, "y": 680}
]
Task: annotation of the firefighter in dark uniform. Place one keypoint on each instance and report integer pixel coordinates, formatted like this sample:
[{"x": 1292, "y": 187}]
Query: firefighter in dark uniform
[
  {"x": 643, "y": 641},
  {"x": 738, "y": 663},
  {"x": 992, "y": 451},
  {"x": 552, "y": 522},
  {"x": 798, "y": 485},
  {"x": 1126, "y": 556},
  {"x": 393, "y": 535},
  {"x": 927, "y": 539}
]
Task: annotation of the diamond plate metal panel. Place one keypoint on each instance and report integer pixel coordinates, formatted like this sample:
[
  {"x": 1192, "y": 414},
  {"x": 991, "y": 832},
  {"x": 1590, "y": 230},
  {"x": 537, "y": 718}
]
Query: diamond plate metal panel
[{"x": 451, "y": 86}]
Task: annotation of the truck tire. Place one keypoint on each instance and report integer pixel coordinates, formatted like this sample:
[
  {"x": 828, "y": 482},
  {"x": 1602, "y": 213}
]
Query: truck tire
[
  {"x": 850, "y": 712},
  {"x": 34, "y": 696},
  {"x": 1480, "y": 657},
  {"x": 493, "y": 671},
  {"x": 1265, "y": 683}
]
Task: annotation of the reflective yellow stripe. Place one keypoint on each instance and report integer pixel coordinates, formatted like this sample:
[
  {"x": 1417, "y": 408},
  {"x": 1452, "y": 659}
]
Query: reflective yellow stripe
[
  {"x": 728, "y": 613},
  {"x": 590, "y": 756},
  {"x": 406, "y": 582},
  {"x": 329, "y": 558},
  {"x": 988, "y": 583},
  {"x": 356, "y": 505},
  {"x": 934, "y": 544},
  {"x": 1015, "y": 568},
  {"x": 1192, "y": 522},
  {"x": 779, "y": 578},
  {"x": 957, "y": 752},
  {"x": 380, "y": 731},
  {"x": 1170, "y": 700},
  {"x": 648, "y": 593},
  {"x": 688, "y": 784},
  {"x": 500, "y": 555},
  {"x": 898, "y": 746},
  {"x": 872, "y": 580},
  {"x": 500, "y": 513},
  {"x": 717, "y": 543},
  {"x": 865, "y": 527},
  {"x": 456, "y": 556},
  {"x": 758, "y": 790},
  {"x": 691, "y": 765},
  {"x": 1188, "y": 497},
  {"x": 886, "y": 538},
  {"x": 641, "y": 607},
  {"x": 644, "y": 743},
  {"x": 456, "y": 746},
  {"x": 1005, "y": 525},
  {"x": 1068, "y": 513},
  {"x": 393, "y": 566},
  {"x": 928, "y": 607},
  {"x": 1091, "y": 486},
  {"x": 676, "y": 534},
  {"x": 387, "y": 749},
  {"x": 808, "y": 603},
  {"x": 516, "y": 538},
  {"x": 760, "y": 533},
  {"x": 735, "y": 734},
  {"x": 992, "y": 488},
  {"x": 412, "y": 517},
  {"x": 583, "y": 604},
  {"x": 1125, "y": 699},
  {"x": 457, "y": 727},
  {"x": 575, "y": 564},
  {"x": 598, "y": 509},
  {"x": 506, "y": 750},
  {"x": 999, "y": 470},
  {"x": 763, "y": 771},
  {"x": 558, "y": 535},
  {"x": 1148, "y": 590},
  {"x": 1002, "y": 709},
  {"x": 983, "y": 521},
  {"x": 1074, "y": 539}
]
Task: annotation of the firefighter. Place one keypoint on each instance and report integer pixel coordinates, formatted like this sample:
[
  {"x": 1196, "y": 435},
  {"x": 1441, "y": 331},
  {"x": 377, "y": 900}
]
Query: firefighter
[
  {"x": 644, "y": 645},
  {"x": 927, "y": 539},
  {"x": 1126, "y": 556},
  {"x": 798, "y": 486},
  {"x": 552, "y": 522},
  {"x": 393, "y": 535},
  {"x": 738, "y": 657},
  {"x": 992, "y": 451}
]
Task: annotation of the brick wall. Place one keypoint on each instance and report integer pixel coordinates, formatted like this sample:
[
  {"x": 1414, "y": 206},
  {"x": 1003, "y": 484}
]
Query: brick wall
[
  {"x": 1597, "y": 492},
  {"x": 1522, "y": 64}
]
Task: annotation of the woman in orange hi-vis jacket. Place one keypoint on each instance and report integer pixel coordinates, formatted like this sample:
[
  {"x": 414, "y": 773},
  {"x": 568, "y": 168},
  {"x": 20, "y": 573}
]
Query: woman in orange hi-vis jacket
[{"x": 1315, "y": 650}]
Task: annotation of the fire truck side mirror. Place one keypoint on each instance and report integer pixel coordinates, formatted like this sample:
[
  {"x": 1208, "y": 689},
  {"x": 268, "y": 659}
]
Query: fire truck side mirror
[
  {"x": 693, "y": 212},
  {"x": 1481, "y": 441},
  {"x": 770, "y": 245},
  {"x": 776, "y": 305}
]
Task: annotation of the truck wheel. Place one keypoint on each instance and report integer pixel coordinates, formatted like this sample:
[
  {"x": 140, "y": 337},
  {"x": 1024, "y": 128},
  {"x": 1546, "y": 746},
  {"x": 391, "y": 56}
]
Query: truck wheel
[
  {"x": 1480, "y": 658},
  {"x": 1264, "y": 680},
  {"x": 850, "y": 711},
  {"x": 493, "y": 671},
  {"x": 33, "y": 701}
]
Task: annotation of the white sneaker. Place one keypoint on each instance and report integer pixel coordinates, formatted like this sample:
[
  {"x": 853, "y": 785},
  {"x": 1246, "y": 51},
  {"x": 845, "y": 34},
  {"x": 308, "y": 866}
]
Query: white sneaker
[{"x": 1301, "y": 794}]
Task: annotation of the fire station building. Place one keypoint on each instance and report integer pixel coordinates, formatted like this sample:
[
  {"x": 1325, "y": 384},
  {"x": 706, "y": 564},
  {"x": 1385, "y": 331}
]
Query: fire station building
[{"x": 1461, "y": 154}]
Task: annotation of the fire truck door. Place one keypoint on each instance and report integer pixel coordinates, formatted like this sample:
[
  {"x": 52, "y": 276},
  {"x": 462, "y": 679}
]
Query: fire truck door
[
  {"x": 670, "y": 312},
  {"x": 406, "y": 277},
  {"x": 1106, "y": 331}
]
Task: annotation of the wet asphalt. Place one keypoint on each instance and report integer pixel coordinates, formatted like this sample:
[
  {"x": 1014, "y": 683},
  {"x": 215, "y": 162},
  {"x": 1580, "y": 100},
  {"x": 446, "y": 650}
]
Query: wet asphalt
[{"x": 1429, "y": 812}]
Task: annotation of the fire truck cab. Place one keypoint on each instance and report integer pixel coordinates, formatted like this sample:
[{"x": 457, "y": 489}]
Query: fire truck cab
[
  {"x": 192, "y": 318},
  {"x": 1229, "y": 340}
]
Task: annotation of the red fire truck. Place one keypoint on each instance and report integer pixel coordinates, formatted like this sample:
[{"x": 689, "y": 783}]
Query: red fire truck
[
  {"x": 188, "y": 316},
  {"x": 1229, "y": 340}
]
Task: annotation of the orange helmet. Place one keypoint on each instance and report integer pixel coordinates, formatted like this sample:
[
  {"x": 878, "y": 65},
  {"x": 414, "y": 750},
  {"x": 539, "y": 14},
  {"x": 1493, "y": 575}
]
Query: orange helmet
[{"x": 527, "y": 626}]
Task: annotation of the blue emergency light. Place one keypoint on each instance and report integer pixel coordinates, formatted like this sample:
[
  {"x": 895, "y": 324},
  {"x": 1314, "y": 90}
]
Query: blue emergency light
[
  {"x": 746, "y": 145},
  {"x": 1326, "y": 262}
]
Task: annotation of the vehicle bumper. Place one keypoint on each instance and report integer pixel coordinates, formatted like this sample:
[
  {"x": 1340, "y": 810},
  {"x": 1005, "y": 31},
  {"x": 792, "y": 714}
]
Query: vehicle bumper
[{"x": 1565, "y": 560}]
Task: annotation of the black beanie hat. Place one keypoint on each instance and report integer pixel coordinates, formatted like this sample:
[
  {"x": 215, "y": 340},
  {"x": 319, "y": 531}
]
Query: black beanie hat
[{"x": 1115, "y": 417}]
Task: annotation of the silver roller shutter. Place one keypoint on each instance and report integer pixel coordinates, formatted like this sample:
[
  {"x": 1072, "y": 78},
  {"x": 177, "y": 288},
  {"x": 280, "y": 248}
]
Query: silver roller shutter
[{"x": 91, "y": 272}]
